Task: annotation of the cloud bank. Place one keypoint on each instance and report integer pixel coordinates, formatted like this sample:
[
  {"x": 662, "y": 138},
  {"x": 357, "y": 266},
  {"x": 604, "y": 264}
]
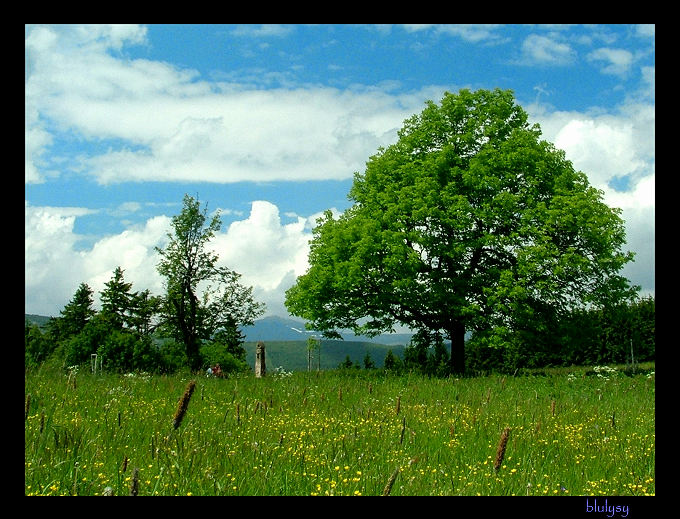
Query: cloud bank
[
  {"x": 158, "y": 122},
  {"x": 268, "y": 253}
]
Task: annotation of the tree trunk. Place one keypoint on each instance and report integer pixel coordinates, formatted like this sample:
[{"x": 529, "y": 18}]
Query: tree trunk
[
  {"x": 193, "y": 354},
  {"x": 189, "y": 338},
  {"x": 457, "y": 337},
  {"x": 187, "y": 321}
]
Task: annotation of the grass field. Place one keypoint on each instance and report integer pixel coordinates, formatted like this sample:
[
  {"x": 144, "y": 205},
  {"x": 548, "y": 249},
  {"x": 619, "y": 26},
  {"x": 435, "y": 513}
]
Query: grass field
[{"x": 334, "y": 433}]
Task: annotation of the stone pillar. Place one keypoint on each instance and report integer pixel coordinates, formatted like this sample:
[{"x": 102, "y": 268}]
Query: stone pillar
[{"x": 260, "y": 366}]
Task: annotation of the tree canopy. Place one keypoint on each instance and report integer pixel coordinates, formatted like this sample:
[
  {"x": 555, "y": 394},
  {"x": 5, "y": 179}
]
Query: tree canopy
[{"x": 469, "y": 221}]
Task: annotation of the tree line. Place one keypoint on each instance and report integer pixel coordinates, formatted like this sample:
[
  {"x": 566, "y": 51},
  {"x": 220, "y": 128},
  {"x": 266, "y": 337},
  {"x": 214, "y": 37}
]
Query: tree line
[
  {"x": 195, "y": 323},
  {"x": 622, "y": 334},
  {"x": 123, "y": 333},
  {"x": 618, "y": 334}
]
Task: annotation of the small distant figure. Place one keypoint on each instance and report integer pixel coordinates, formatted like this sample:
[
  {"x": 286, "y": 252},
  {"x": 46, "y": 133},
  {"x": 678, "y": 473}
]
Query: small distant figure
[{"x": 214, "y": 371}]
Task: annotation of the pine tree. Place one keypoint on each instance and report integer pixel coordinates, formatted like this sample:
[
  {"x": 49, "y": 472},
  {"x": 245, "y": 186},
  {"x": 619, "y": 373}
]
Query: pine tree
[
  {"x": 116, "y": 299},
  {"x": 77, "y": 313}
]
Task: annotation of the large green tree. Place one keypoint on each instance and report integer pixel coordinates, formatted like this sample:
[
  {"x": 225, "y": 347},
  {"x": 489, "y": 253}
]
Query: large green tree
[
  {"x": 201, "y": 297},
  {"x": 468, "y": 221}
]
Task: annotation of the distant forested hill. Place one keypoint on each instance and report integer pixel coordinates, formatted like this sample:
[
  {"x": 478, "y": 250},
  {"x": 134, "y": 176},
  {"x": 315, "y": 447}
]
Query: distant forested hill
[
  {"x": 40, "y": 320},
  {"x": 275, "y": 328},
  {"x": 292, "y": 355},
  {"x": 286, "y": 346}
]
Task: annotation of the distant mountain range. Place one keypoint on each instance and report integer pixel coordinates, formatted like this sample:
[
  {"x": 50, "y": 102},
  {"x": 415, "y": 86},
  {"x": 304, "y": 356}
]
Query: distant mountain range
[
  {"x": 274, "y": 328},
  {"x": 40, "y": 320}
]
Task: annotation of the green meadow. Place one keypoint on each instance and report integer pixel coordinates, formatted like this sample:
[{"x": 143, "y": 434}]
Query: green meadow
[{"x": 579, "y": 431}]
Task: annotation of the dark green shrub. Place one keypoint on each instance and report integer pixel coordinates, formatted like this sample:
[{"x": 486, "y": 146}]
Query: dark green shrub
[
  {"x": 37, "y": 345},
  {"x": 347, "y": 364},
  {"x": 128, "y": 351},
  {"x": 145, "y": 355},
  {"x": 218, "y": 353},
  {"x": 116, "y": 351},
  {"x": 172, "y": 356},
  {"x": 79, "y": 348}
]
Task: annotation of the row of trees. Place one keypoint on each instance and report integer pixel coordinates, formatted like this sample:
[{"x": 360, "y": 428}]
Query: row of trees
[
  {"x": 624, "y": 334},
  {"x": 122, "y": 333},
  {"x": 196, "y": 322},
  {"x": 620, "y": 334}
]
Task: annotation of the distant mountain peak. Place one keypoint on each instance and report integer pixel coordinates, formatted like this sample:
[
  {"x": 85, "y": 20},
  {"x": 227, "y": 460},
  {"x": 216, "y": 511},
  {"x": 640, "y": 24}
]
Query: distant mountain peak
[{"x": 277, "y": 328}]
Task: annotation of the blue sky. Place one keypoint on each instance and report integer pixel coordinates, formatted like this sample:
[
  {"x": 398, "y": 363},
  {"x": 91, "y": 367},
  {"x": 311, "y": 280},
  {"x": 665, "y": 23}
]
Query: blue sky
[{"x": 269, "y": 123}]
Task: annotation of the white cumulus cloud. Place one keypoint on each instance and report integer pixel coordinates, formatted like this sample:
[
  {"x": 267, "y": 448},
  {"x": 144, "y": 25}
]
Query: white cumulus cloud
[
  {"x": 617, "y": 61},
  {"x": 610, "y": 148},
  {"x": 267, "y": 252},
  {"x": 165, "y": 123},
  {"x": 546, "y": 50}
]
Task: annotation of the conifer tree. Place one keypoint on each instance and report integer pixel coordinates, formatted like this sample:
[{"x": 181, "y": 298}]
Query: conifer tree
[{"x": 77, "y": 313}]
